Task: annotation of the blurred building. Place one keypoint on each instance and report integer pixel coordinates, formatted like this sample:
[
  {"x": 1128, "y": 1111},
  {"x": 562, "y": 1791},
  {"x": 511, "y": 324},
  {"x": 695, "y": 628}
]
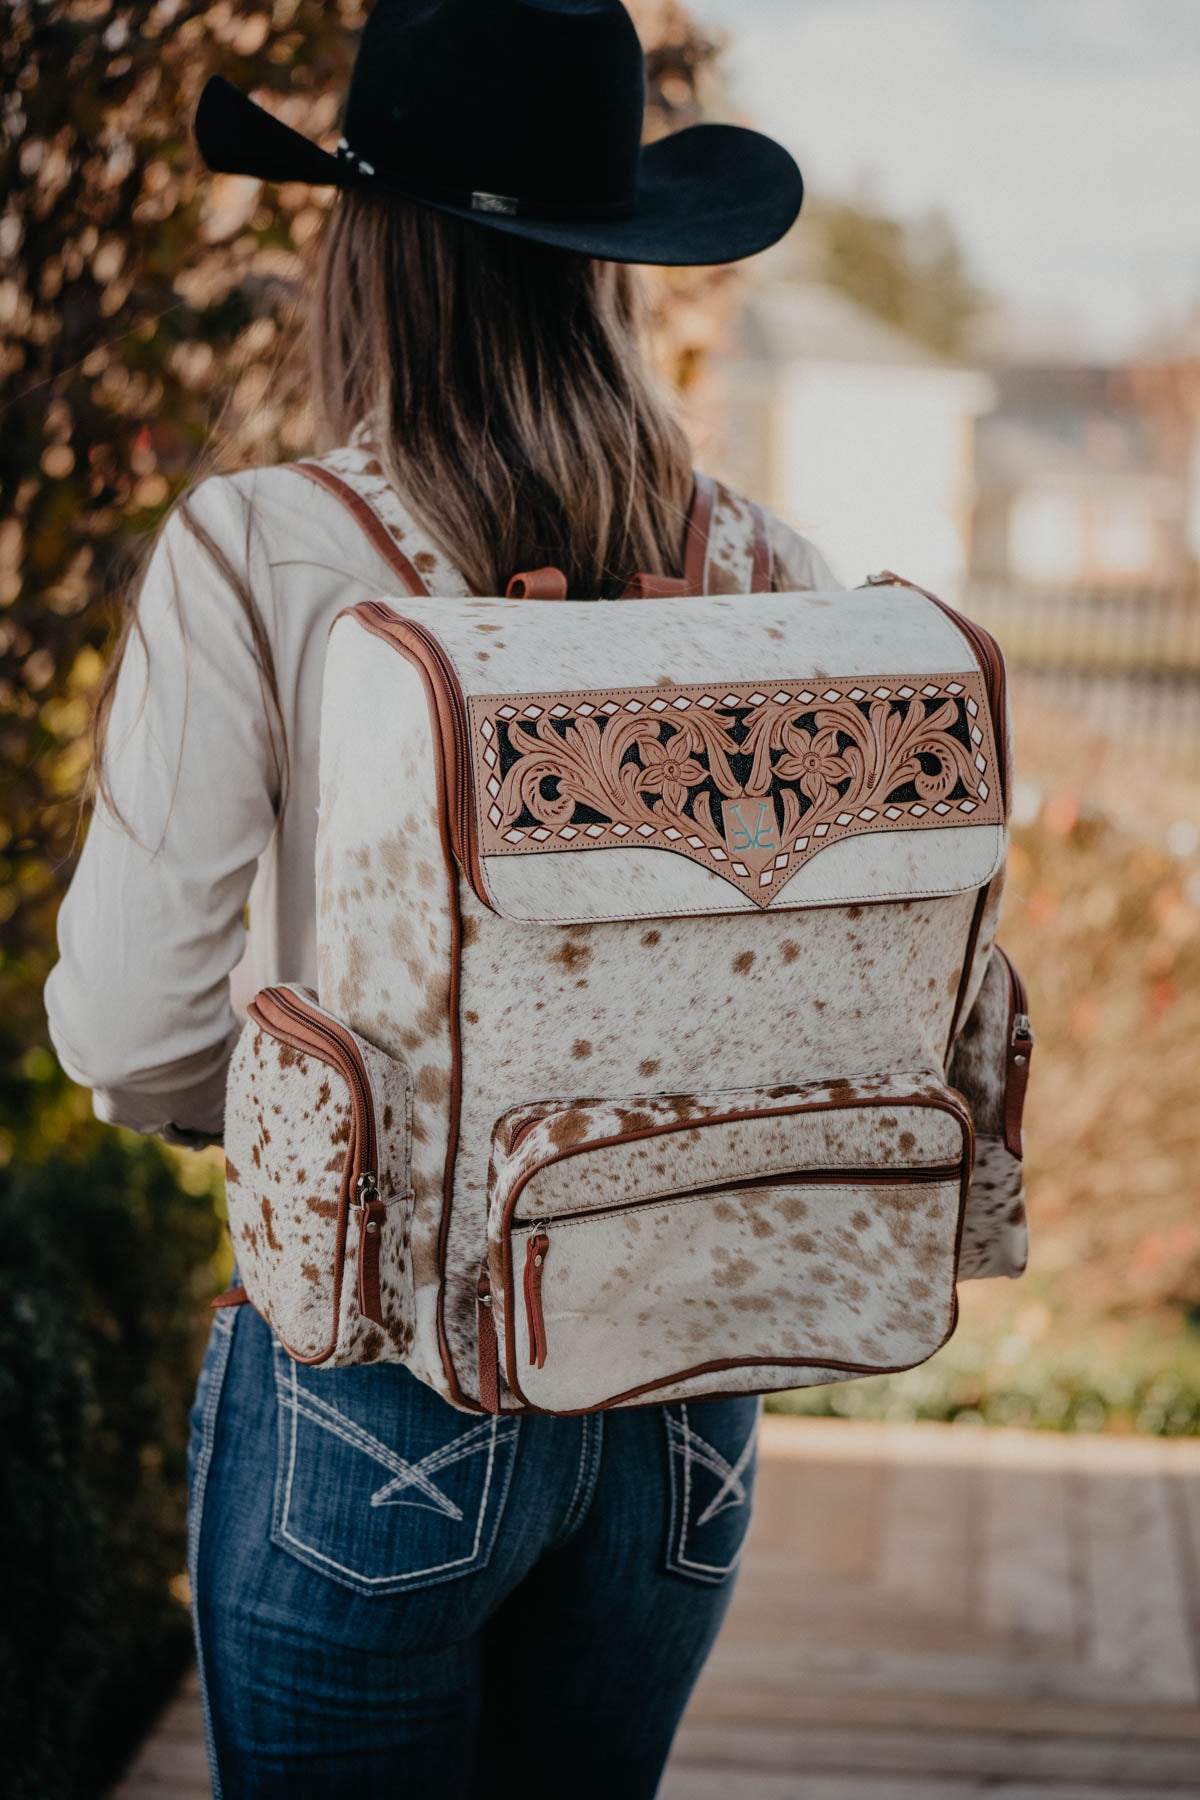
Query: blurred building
[
  {"x": 855, "y": 433},
  {"x": 1079, "y": 484}
]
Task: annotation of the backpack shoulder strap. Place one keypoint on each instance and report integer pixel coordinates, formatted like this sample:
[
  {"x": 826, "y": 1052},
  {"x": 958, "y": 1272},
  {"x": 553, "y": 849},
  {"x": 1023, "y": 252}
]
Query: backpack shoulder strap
[
  {"x": 727, "y": 545},
  {"x": 355, "y": 477}
]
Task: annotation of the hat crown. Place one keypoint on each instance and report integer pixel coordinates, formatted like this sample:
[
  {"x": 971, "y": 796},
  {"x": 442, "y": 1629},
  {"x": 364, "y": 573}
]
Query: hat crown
[{"x": 538, "y": 103}]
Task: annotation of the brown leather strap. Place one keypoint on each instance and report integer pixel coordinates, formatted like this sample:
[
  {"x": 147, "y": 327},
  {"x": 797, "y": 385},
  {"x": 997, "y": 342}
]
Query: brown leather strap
[
  {"x": 489, "y": 1353},
  {"x": 699, "y": 524},
  {"x": 1019, "y": 1053},
  {"x": 368, "y": 520},
  {"x": 234, "y": 1296},
  {"x": 656, "y": 587},
  {"x": 372, "y": 1219},
  {"x": 537, "y": 584},
  {"x": 762, "y": 573}
]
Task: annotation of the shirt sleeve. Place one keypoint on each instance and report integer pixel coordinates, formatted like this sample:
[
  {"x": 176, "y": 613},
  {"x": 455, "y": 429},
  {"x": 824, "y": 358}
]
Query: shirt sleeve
[
  {"x": 799, "y": 564},
  {"x": 154, "y": 920}
]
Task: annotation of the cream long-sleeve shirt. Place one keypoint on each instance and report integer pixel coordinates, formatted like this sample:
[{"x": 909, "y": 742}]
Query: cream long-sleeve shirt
[{"x": 156, "y": 957}]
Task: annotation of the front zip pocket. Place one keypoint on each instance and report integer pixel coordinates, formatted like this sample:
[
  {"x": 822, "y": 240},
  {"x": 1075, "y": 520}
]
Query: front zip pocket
[
  {"x": 755, "y": 1237},
  {"x": 317, "y": 1138}
]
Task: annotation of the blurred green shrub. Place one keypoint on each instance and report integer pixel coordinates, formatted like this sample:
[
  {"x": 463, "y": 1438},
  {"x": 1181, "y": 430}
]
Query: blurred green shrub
[
  {"x": 108, "y": 1260},
  {"x": 1150, "y": 1386}
]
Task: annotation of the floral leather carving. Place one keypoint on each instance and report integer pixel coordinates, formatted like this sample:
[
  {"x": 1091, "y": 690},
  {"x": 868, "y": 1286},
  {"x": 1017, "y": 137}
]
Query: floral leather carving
[{"x": 751, "y": 782}]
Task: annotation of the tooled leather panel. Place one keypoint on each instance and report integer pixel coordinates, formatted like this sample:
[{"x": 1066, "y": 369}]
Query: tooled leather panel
[{"x": 750, "y": 782}]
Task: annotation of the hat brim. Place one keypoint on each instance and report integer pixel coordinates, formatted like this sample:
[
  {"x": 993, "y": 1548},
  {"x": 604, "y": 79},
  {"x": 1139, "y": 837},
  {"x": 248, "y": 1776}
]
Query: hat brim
[{"x": 707, "y": 194}]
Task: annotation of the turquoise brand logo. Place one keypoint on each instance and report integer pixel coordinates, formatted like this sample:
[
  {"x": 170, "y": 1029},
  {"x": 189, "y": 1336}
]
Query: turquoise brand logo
[{"x": 741, "y": 836}]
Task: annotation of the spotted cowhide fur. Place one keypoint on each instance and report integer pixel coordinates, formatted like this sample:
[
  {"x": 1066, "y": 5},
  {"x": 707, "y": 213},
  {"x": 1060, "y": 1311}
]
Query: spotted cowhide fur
[
  {"x": 288, "y": 1131},
  {"x": 499, "y": 1009}
]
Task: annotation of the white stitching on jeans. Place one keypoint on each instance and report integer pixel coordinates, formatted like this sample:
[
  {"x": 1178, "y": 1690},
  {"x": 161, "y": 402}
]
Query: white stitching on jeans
[
  {"x": 328, "y": 1418},
  {"x": 497, "y": 1431},
  {"x": 222, "y": 1325},
  {"x": 685, "y": 1443},
  {"x": 591, "y": 1428},
  {"x": 732, "y": 1491},
  {"x": 445, "y": 1458}
]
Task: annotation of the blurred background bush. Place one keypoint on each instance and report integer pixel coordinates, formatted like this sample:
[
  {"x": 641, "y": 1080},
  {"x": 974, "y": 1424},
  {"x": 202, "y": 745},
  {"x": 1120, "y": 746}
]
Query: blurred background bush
[{"x": 861, "y": 379}]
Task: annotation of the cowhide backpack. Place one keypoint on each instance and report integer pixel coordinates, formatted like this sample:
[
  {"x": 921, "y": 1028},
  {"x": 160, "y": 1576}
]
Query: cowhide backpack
[{"x": 661, "y": 1049}]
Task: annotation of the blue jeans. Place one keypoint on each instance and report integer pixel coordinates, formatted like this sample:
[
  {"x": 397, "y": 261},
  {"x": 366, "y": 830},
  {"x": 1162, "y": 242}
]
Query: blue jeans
[{"x": 395, "y": 1598}]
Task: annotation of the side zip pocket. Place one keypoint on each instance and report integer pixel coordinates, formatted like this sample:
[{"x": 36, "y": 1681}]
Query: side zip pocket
[
  {"x": 990, "y": 1069},
  {"x": 318, "y": 1132}
]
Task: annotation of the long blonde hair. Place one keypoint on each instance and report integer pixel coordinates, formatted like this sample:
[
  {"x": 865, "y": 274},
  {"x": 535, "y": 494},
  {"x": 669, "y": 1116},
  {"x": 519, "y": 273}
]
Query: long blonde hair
[
  {"x": 509, "y": 398},
  {"x": 509, "y": 401}
]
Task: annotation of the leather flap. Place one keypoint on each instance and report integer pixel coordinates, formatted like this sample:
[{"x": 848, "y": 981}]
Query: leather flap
[{"x": 645, "y": 758}]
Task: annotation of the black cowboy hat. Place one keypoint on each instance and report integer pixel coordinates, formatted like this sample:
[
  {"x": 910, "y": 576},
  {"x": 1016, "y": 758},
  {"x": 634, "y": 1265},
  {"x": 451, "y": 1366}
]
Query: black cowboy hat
[{"x": 524, "y": 116}]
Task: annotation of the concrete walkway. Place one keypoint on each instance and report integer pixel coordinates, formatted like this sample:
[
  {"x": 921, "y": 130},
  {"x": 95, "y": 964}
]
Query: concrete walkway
[{"x": 930, "y": 1613}]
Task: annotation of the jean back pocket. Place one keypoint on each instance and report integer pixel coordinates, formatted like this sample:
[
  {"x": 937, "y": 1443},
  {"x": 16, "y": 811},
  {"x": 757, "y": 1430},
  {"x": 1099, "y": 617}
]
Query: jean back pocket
[
  {"x": 712, "y": 1453},
  {"x": 380, "y": 1484}
]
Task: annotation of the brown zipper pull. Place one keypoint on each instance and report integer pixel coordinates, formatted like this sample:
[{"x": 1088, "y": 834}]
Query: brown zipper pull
[
  {"x": 489, "y": 1351},
  {"x": 371, "y": 1215},
  {"x": 535, "y": 1261},
  {"x": 1020, "y": 1049}
]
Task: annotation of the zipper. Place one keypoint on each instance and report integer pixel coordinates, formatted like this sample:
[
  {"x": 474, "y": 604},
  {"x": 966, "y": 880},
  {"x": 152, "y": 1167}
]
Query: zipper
[
  {"x": 1018, "y": 1051},
  {"x": 989, "y": 656},
  {"x": 929, "y": 1172},
  {"x": 537, "y": 1243},
  {"x": 349, "y": 1062},
  {"x": 318, "y": 1035},
  {"x": 423, "y": 647}
]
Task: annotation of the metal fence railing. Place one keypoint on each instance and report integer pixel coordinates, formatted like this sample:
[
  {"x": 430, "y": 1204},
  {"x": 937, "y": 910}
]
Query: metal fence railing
[{"x": 1128, "y": 660}]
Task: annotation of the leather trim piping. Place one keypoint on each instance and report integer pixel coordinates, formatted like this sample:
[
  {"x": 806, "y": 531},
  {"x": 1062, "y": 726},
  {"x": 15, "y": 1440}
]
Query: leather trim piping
[
  {"x": 951, "y": 1103},
  {"x": 376, "y": 620},
  {"x": 369, "y": 521},
  {"x": 449, "y": 714},
  {"x": 632, "y": 1396}
]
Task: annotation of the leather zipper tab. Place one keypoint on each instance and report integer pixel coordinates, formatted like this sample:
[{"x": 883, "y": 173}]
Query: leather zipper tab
[
  {"x": 371, "y": 1216},
  {"x": 1020, "y": 1049},
  {"x": 536, "y": 1251},
  {"x": 489, "y": 1349}
]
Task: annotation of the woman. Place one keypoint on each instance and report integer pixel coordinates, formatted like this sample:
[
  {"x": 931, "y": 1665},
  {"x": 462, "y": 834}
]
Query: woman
[{"x": 381, "y": 1607}]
